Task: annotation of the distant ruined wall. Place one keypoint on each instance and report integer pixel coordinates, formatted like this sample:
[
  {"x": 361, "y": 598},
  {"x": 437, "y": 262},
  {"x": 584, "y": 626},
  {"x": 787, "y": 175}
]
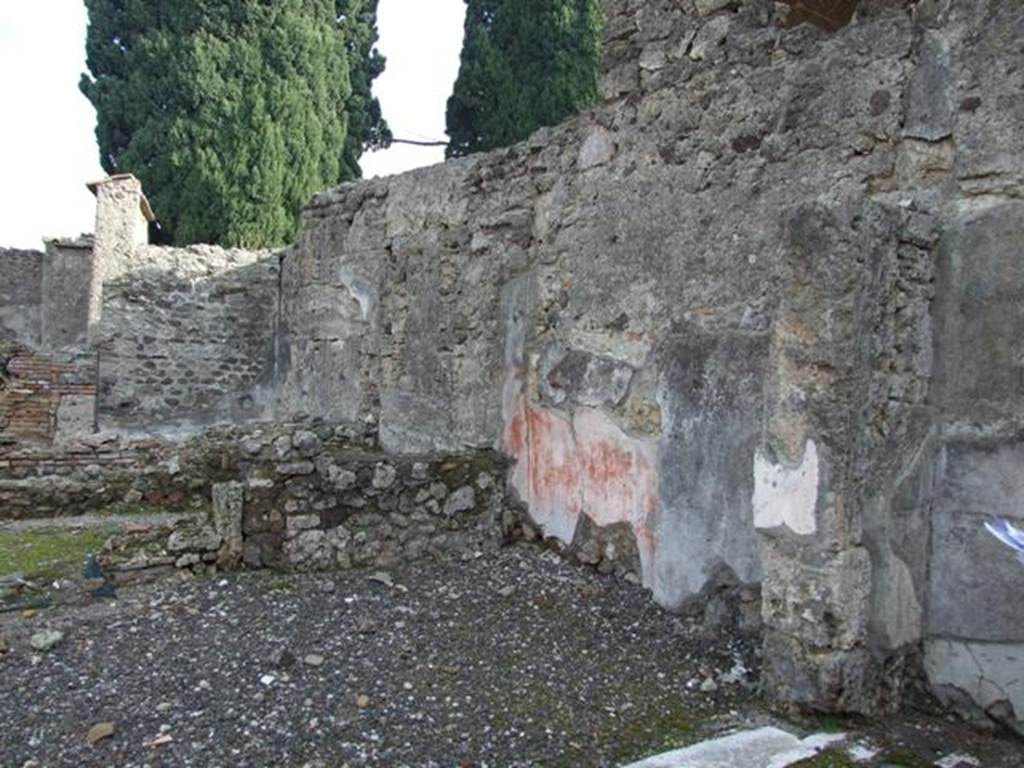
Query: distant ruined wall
[
  {"x": 186, "y": 338},
  {"x": 742, "y": 307},
  {"x": 21, "y": 287}
]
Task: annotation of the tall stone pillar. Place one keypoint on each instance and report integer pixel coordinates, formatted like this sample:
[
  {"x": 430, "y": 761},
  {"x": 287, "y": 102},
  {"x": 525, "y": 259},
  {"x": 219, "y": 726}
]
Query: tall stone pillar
[
  {"x": 823, "y": 463},
  {"x": 123, "y": 216}
]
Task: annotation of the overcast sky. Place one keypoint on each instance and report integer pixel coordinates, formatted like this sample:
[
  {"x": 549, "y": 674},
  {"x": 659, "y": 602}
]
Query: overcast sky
[{"x": 47, "y": 142}]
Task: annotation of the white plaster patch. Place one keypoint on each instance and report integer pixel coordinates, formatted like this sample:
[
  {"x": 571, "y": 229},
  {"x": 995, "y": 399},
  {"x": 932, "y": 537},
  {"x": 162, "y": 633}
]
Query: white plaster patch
[
  {"x": 787, "y": 495},
  {"x": 761, "y": 748}
]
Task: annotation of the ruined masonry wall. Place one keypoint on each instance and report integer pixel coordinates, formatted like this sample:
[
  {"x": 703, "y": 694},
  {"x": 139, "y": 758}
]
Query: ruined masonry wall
[
  {"x": 45, "y": 398},
  {"x": 729, "y": 311},
  {"x": 187, "y": 338},
  {"x": 598, "y": 301},
  {"x": 21, "y": 286}
]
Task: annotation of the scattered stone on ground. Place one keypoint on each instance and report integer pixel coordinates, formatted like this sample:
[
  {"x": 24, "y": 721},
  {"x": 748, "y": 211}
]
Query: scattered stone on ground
[
  {"x": 99, "y": 732},
  {"x": 45, "y": 640}
]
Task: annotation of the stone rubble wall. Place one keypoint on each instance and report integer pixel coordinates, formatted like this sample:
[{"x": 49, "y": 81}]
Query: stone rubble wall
[
  {"x": 284, "y": 497},
  {"x": 21, "y": 286},
  {"x": 186, "y": 339}
]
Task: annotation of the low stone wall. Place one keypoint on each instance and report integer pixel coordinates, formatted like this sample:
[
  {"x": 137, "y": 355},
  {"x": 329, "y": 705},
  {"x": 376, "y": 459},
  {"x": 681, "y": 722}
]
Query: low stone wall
[
  {"x": 287, "y": 497},
  {"x": 305, "y": 503}
]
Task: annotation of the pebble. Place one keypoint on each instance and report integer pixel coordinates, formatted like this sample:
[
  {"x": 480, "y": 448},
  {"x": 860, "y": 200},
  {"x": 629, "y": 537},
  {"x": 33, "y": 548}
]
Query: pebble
[
  {"x": 314, "y": 660},
  {"x": 45, "y": 640},
  {"x": 709, "y": 686},
  {"x": 99, "y": 732},
  {"x": 363, "y": 701},
  {"x": 267, "y": 679}
]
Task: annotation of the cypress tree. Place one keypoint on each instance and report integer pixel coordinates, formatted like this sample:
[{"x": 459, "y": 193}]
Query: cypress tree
[
  {"x": 231, "y": 112},
  {"x": 367, "y": 128},
  {"x": 525, "y": 64}
]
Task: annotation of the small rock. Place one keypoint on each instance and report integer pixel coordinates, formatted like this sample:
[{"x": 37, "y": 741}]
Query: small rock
[
  {"x": 187, "y": 561},
  {"x": 382, "y": 577},
  {"x": 46, "y": 640},
  {"x": 463, "y": 500},
  {"x": 267, "y": 679},
  {"x": 163, "y": 706},
  {"x": 709, "y": 686},
  {"x": 384, "y": 476},
  {"x": 706, "y": 7},
  {"x": 99, "y": 732},
  {"x": 296, "y": 468},
  {"x": 314, "y": 660},
  {"x": 205, "y": 540},
  {"x": 252, "y": 446},
  {"x": 958, "y": 760},
  {"x": 363, "y": 701},
  {"x": 282, "y": 447},
  {"x": 282, "y": 658},
  {"x": 507, "y": 591},
  {"x": 306, "y": 443}
]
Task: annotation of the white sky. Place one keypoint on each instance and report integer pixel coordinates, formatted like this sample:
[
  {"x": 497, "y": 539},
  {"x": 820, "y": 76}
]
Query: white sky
[{"x": 47, "y": 143}]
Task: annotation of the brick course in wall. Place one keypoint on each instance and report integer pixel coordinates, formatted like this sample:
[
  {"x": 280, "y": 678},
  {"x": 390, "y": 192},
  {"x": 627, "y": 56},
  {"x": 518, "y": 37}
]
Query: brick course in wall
[{"x": 32, "y": 388}]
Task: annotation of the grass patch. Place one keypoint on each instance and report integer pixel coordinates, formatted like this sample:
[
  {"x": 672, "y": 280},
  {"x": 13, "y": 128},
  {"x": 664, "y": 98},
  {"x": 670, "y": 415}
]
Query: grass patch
[
  {"x": 661, "y": 731},
  {"x": 834, "y": 759},
  {"x": 281, "y": 586},
  {"x": 48, "y": 554}
]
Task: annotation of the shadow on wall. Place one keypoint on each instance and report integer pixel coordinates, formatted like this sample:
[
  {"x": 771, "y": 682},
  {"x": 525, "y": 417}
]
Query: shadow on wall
[{"x": 830, "y": 15}]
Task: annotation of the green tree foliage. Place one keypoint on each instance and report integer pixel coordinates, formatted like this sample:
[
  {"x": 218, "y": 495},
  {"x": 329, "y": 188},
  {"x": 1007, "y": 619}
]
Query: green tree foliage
[
  {"x": 525, "y": 64},
  {"x": 233, "y": 113},
  {"x": 367, "y": 128}
]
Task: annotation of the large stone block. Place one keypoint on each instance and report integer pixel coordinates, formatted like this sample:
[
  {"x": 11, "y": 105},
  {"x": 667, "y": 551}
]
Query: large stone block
[
  {"x": 980, "y": 680},
  {"x": 979, "y": 326},
  {"x": 976, "y": 586}
]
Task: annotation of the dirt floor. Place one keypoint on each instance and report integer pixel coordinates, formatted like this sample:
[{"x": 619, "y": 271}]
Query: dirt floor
[{"x": 518, "y": 659}]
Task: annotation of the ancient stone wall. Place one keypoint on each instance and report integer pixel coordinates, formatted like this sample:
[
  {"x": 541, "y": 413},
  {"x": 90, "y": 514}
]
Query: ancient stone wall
[
  {"x": 45, "y": 398},
  {"x": 755, "y": 319},
  {"x": 21, "y": 287},
  {"x": 186, "y": 338},
  {"x": 68, "y": 283},
  {"x": 704, "y": 311},
  {"x": 294, "y": 497},
  {"x": 598, "y": 301}
]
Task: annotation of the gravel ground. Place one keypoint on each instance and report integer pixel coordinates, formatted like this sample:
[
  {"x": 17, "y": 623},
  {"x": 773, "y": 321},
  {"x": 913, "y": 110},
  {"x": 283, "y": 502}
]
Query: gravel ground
[
  {"x": 513, "y": 659},
  {"x": 509, "y": 660}
]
